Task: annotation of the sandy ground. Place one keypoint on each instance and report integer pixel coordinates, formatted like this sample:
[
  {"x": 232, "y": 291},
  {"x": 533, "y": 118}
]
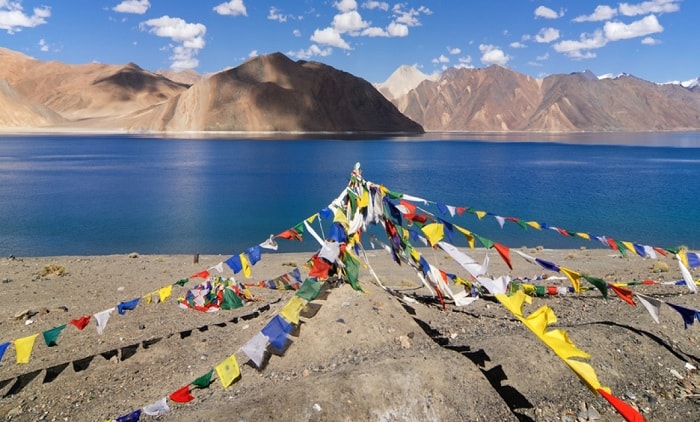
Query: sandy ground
[{"x": 363, "y": 356}]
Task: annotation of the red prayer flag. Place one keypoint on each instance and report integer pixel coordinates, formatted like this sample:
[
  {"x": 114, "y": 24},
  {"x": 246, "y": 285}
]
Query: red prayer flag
[
  {"x": 552, "y": 290},
  {"x": 563, "y": 232},
  {"x": 504, "y": 251},
  {"x": 81, "y": 322},
  {"x": 649, "y": 282},
  {"x": 624, "y": 294},
  {"x": 461, "y": 210},
  {"x": 320, "y": 267},
  {"x": 659, "y": 250},
  {"x": 202, "y": 274},
  {"x": 622, "y": 408},
  {"x": 182, "y": 395},
  {"x": 612, "y": 244},
  {"x": 290, "y": 234}
]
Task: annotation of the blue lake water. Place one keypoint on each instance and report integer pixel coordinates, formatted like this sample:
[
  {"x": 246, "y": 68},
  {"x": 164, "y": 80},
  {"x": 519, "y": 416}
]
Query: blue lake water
[{"x": 85, "y": 195}]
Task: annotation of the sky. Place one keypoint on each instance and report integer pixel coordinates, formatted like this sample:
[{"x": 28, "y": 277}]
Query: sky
[{"x": 656, "y": 40}]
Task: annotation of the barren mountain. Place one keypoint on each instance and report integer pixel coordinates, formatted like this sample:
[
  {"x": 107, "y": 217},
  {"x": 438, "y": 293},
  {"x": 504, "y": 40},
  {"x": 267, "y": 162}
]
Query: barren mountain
[
  {"x": 19, "y": 113},
  {"x": 273, "y": 93},
  {"x": 499, "y": 99}
]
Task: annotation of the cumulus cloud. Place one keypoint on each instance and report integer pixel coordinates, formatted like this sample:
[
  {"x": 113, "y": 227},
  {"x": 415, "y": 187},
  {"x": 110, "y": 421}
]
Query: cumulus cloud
[
  {"x": 397, "y": 30},
  {"x": 188, "y": 36},
  {"x": 441, "y": 59},
  {"x": 374, "y": 32},
  {"x": 619, "y": 31},
  {"x": 350, "y": 22},
  {"x": 601, "y": 13},
  {"x": 296, "y": 33},
  {"x": 371, "y": 5},
  {"x": 411, "y": 16},
  {"x": 275, "y": 15},
  {"x": 650, "y": 41},
  {"x": 453, "y": 51},
  {"x": 43, "y": 46},
  {"x": 329, "y": 36},
  {"x": 575, "y": 49},
  {"x": 547, "y": 13},
  {"x": 232, "y": 8},
  {"x": 312, "y": 51},
  {"x": 464, "y": 63},
  {"x": 491, "y": 54},
  {"x": 13, "y": 19},
  {"x": 547, "y": 35},
  {"x": 653, "y": 6},
  {"x": 138, "y": 7}
]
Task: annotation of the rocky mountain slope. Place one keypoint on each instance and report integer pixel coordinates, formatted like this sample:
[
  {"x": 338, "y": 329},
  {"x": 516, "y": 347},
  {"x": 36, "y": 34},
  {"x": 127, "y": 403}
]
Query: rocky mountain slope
[{"x": 499, "y": 99}]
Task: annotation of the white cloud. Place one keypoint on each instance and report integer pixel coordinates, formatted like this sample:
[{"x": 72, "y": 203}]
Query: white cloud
[
  {"x": 371, "y": 5},
  {"x": 138, "y": 7},
  {"x": 232, "y": 8},
  {"x": 517, "y": 44},
  {"x": 275, "y": 15},
  {"x": 491, "y": 54},
  {"x": 253, "y": 53},
  {"x": 543, "y": 57},
  {"x": 547, "y": 13},
  {"x": 465, "y": 62},
  {"x": 547, "y": 35},
  {"x": 409, "y": 17},
  {"x": 13, "y": 18},
  {"x": 653, "y": 6},
  {"x": 329, "y": 36},
  {"x": 586, "y": 42},
  {"x": 312, "y": 51},
  {"x": 397, "y": 30},
  {"x": 453, "y": 51},
  {"x": 619, "y": 31},
  {"x": 189, "y": 36},
  {"x": 346, "y": 5},
  {"x": 441, "y": 59},
  {"x": 650, "y": 41},
  {"x": 296, "y": 33},
  {"x": 601, "y": 13},
  {"x": 349, "y": 22},
  {"x": 374, "y": 32},
  {"x": 43, "y": 46}
]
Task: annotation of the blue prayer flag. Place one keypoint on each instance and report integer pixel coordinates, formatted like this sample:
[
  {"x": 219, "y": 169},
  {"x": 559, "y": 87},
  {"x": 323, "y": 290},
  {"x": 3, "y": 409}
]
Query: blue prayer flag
[
  {"x": 253, "y": 254},
  {"x": 687, "y": 314},
  {"x": 235, "y": 264},
  {"x": 3, "y": 347},
  {"x": 127, "y": 306},
  {"x": 277, "y": 330}
]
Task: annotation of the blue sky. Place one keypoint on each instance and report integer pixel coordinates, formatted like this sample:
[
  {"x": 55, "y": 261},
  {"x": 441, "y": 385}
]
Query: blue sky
[{"x": 655, "y": 40}]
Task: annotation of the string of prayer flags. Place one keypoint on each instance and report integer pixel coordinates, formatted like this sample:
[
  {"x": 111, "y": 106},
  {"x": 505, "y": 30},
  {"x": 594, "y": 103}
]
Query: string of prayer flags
[
  {"x": 23, "y": 347},
  {"x": 182, "y": 395},
  {"x": 127, "y": 305},
  {"x": 157, "y": 408},
  {"x": 81, "y": 322},
  {"x": 228, "y": 371},
  {"x": 51, "y": 336},
  {"x": 102, "y": 318}
]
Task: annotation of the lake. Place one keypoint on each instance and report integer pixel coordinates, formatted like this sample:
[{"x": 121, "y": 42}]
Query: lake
[{"x": 113, "y": 194}]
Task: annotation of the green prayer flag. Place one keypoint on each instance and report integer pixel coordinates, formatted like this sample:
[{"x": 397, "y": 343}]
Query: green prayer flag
[
  {"x": 51, "y": 335},
  {"x": 204, "y": 380},
  {"x": 600, "y": 284},
  {"x": 309, "y": 289},
  {"x": 231, "y": 300},
  {"x": 522, "y": 224},
  {"x": 540, "y": 290},
  {"x": 621, "y": 247},
  {"x": 352, "y": 270},
  {"x": 182, "y": 282},
  {"x": 300, "y": 228},
  {"x": 393, "y": 195},
  {"x": 488, "y": 244}
]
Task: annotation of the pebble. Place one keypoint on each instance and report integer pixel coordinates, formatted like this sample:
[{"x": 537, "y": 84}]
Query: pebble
[{"x": 316, "y": 407}]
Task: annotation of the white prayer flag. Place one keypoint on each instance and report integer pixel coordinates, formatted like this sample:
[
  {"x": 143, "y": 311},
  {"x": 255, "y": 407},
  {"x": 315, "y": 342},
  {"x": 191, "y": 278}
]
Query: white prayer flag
[
  {"x": 102, "y": 318},
  {"x": 156, "y": 409},
  {"x": 653, "y": 306},
  {"x": 255, "y": 348}
]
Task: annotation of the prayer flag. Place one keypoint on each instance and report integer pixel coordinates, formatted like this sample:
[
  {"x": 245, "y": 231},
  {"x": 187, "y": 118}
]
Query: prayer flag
[
  {"x": 337, "y": 233},
  {"x": 228, "y": 371},
  {"x": 3, "y": 348},
  {"x": 309, "y": 289},
  {"x": 81, "y": 322},
  {"x": 622, "y": 293},
  {"x": 653, "y": 306},
  {"x": 157, "y": 408},
  {"x": 182, "y": 395},
  {"x": 127, "y": 306},
  {"x": 130, "y": 417},
  {"x": 639, "y": 250},
  {"x": 204, "y": 380},
  {"x": 501, "y": 220},
  {"x": 290, "y": 234},
  {"x": 330, "y": 251},
  {"x": 253, "y": 254},
  {"x": 600, "y": 284},
  {"x": 467, "y": 234},
  {"x": 230, "y": 299},
  {"x": 270, "y": 243},
  {"x": 583, "y": 235},
  {"x": 276, "y": 331},
  {"x": 320, "y": 267},
  {"x": 202, "y": 274},
  {"x": 50, "y": 336},
  {"x": 547, "y": 265},
  {"x": 434, "y": 232},
  {"x": 182, "y": 282},
  {"x": 24, "y": 347},
  {"x": 534, "y": 225},
  {"x": 488, "y": 244},
  {"x": 622, "y": 408},
  {"x": 246, "y": 265},
  {"x": 291, "y": 310},
  {"x": 687, "y": 276},
  {"x": 102, "y": 318},
  {"x": 504, "y": 251},
  {"x": 235, "y": 264},
  {"x": 164, "y": 293},
  {"x": 480, "y": 214},
  {"x": 687, "y": 314},
  {"x": 574, "y": 277},
  {"x": 352, "y": 269},
  {"x": 255, "y": 349},
  {"x": 693, "y": 259}
]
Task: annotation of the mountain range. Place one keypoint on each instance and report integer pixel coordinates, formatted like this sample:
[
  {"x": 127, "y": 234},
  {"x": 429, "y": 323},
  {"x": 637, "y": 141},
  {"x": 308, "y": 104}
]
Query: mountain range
[{"x": 272, "y": 93}]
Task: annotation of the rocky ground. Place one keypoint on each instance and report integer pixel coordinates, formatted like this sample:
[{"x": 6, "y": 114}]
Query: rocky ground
[{"x": 363, "y": 356}]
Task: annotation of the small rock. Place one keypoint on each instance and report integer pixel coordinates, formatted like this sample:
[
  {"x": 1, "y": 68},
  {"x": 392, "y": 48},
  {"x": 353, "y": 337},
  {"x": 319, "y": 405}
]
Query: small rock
[
  {"x": 28, "y": 322},
  {"x": 133, "y": 255},
  {"x": 676, "y": 374},
  {"x": 593, "y": 414},
  {"x": 120, "y": 288},
  {"x": 316, "y": 407},
  {"x": 405, "y": 343},
  {"x": 305, "y": 373},
  {"x": 6, "y": 280}
]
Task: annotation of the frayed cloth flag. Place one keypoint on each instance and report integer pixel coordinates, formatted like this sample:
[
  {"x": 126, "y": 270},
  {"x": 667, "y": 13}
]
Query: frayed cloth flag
[
  {"x": 574, "y": 277},
  {"x": 499, "y": 285},
  {"x": 202, "y": 274},
  {"x": 461, "y": 298},
  {"x": 255, "y": 349},
  {"x": 687, "y": 314},
  {"x": 182, "y": 395},
  {"x": 228, "y": 371},
  {"x": 270, "y": 243},
  {"x": 81, "y": 322},
  {"x": 204, "y": 380},
  {"x": 51, "y": 336},
  {"x": 320, "y": 267},
  {"x": 622, "y": 293},
  {"x": 276, "y": 331},
  {"x": 102, "y": 318},
  {"x": 24, "y": 347},
  {"x": 329, "y": 251},
  {"x": 127, "y": 306},
  {"x": 164, "y": 293},
  {"x": 130, "y": 417},
  {"x": 653, "y": 306},
  {"x": 157, "y": 408},
  {"x": 3, "y": 348}
]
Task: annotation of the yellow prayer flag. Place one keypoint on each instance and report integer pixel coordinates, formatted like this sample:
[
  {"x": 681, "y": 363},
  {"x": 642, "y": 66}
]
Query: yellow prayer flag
[
  {"x": 228, "y": 371},
  {"x": 629, "y": 246},
  {"x": 574, "y": 277},
  {"x": 684, "y": 257},
  {"x": 583, "y": 235},
  {"x": 147, "y": 299},
  {"x": 534, "y": 225},
  {"x": 434, "y": 232},
  {"x": 529, "y": 289},
  {"x": 312, "y": 218},
  {"x": 165, "y": 292},
  {"x": 415, "y": 255},
  {"x": 559, "y": 341},
  {"x": 514, "y": 303},
  {"x": 480, "y": 214},
  {"x": 245, "y": 264},
  {"x": 24, "y": 347},
  {"x": 363, "y": 202},
  {"x": 467, "y": 234},
  {"x": 291, "y": 310},
  {"x": 586, "y": 373},
  {"x": 339, "y": 217},
  {"x": 539, "y": 320}
]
